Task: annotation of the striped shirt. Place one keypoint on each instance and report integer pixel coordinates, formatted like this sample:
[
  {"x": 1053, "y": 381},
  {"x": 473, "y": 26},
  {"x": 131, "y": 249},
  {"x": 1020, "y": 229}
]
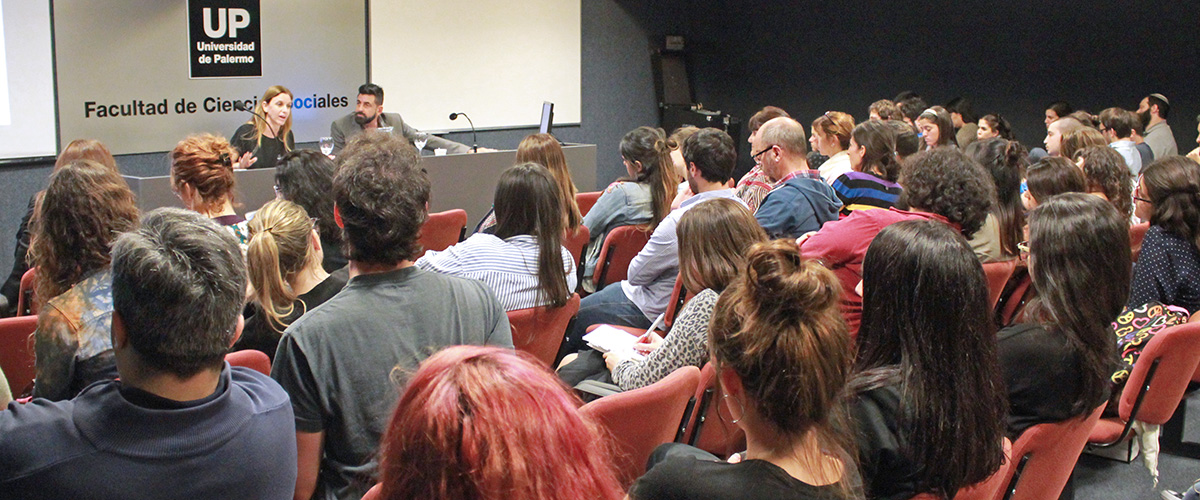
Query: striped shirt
[
  {"x": 507, "y": 266},
  {"x": 862, "y": 191}
]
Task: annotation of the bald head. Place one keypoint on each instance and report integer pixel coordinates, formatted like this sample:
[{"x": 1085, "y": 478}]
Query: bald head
[
  {"x": 786, "y": 133},
  {"x": 1057, "y": 130}
]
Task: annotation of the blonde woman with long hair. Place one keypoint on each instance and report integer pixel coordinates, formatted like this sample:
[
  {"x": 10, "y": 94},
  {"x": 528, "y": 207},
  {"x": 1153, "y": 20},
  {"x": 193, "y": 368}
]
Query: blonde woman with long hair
[
  {"x": 261, "y": 141},
  {"x": 283, "y": 259}
]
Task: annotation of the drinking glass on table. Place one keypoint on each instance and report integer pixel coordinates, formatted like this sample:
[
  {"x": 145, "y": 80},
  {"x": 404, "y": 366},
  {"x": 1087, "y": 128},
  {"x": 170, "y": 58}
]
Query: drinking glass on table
[
  {"x": 419, "y": 140},
  {"x": 326, "y": 145}
]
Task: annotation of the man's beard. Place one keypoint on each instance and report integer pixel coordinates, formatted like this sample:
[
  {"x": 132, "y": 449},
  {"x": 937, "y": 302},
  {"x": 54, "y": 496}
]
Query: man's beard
[
  {"x": 1145, "y": 117},
  {"x": 362, "y": 119}
]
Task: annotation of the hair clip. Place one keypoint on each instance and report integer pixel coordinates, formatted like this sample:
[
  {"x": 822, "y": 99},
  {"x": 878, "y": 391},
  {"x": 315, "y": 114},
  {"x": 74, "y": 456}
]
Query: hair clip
[{"x": 225, "y": 160}]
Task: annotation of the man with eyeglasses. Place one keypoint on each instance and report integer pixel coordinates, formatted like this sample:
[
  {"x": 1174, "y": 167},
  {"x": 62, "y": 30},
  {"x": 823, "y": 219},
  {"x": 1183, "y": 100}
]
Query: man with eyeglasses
[
  {"x": 1117, "y": 126},
  {"x": 799, "y": 202}
]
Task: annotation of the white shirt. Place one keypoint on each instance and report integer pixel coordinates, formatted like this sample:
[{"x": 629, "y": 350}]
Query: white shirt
[
  {"x": 834, "y": 167},
  {"x": 507, "y": 266},
  {"x": 1128, "y": 150}
]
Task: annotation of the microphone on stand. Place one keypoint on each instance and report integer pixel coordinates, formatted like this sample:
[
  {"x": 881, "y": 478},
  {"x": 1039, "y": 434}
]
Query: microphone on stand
[
  {"x": 474, "y": 139},
  {"x": 241, "y": 106}
]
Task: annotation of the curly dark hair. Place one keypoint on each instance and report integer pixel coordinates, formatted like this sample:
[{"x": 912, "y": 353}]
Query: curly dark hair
[
  {"x": 1107, "y": 172},
  {"x": 303, "y": 177},
  {"x": 380, "y": 192},
  {"x": 75, "y": 223},
  {"x": 946, "y": 182}
]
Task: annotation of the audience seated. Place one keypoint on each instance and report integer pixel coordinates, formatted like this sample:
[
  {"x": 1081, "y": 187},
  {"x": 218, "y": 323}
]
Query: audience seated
[
  {"x": 78, "y": 217},
  {"x": 800, "y": 201},
  {"x": 522, "y": 261},
  {"x": 1168, "y": 270},
  {"x": 180, "y": 422},
  {"x": 994, "y": 125},
  {"x": 872, "y": 183},
  {"x": 1004, "y": 227},
  {"x": 1050, "y": 176},
  {"x": 78, "y": 149},
  {"x": 1057, "y": 365},
  {"x": 908, "y": 139},
  {"x": 962, "y": 117},
  {"x": 303, "y": 177},
  {"x": 202, "y": 177},
  {"x": 885, "y": 109},
  {"x": 283, "y": 261},
  {"x": 644, "y": 197},
  {"x": 936, "y": 128},
  {"x": 1056, "y": 131},
  {"x": 1153, "y": 112},
  {"x": 926, "y": 388},
  {"x": 637, "y": 301},
  {"x": 831, "y": 137},
  {"x": 755, "y": 185},
  {"x": 942, "y": 185},
  {"x": 713, "y": 239},
  {"x": 544, "y": 150},
  {"x": 334, "y": 360},
  {"x": 912, "y": 107},
  {"x": 1107, "y": 177},
  {"x": 1117, "y": 126},
  {"x": 489, "y": 423},
  {"x": 782, "y": 357}
]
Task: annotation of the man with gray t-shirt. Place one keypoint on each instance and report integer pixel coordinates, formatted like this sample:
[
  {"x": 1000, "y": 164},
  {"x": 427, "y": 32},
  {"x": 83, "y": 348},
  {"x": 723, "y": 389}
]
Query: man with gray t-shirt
[{"x": 345, "y": 362}]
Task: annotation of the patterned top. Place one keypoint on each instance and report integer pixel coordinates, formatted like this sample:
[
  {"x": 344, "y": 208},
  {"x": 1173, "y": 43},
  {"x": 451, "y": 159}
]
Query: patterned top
[
  {"x": 863, "y": 191},
  {"x": 1167, "y": 271},
  {"x": 508, "y": 267},
  {"x": 237, "y": 226},
  {"x": 753, "y": 187},
  {"x": 73, "y": 340},
  {"x": 685, "y": 345}
]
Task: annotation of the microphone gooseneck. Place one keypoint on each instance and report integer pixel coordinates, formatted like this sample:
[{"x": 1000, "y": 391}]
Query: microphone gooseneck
[
  {"x": 474, "y": 139},
  {"x": 241, "y": 106}
]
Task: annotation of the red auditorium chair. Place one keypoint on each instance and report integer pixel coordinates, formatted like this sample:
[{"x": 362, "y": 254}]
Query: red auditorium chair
[
  {"x": 16, "y": 352},
  {"x": 998, "y": 274},
  {"x": 637, "y": 421},
  {"x": 586, "y": 201},
  {"x": 1137, "y": 233},
  {"x": 250, "y": 358},
  {"x": 1044, "y": 457},
  {"x": 539, "y": 330},
  {"x": 443, "y": 229},
  {"x": 575, "y": 241},
  {"x": 710, "y": 427},
  {"x": 620, "y": 247},
  {"x": 25, "y": 303}
]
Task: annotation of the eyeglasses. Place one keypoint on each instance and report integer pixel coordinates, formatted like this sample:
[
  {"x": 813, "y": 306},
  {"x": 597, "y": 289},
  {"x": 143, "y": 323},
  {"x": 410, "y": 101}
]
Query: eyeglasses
[
  {"x": 1143, "y": 200},
  {"x": 760, "y": 153}
]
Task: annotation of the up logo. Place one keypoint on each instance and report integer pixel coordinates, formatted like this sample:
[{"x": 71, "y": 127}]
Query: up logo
[{"x": 237, "y": 19}]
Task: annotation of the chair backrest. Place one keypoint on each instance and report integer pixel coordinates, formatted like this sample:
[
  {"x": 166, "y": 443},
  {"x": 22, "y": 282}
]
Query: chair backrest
[
  {"x": 1012, "y": 303},
  {"x": 992, "y": 487},
  {"x": 710, "y": 427},
  {"x": 1177, "y": 350},
  {"x": 1044, "y": 456},
  {"x": 16, "y": 352},
  {"x": 576, "y": 240},
  {"x": 997, "y": 274},
  {"x": 586, "y": 201},
  {"x": 443, "y": 229},
  {"x": 637, "y": 421},
  {"x": 375, "y": 493},
  {"x": 539, "y": 330},
  {"x": 1137, "y": 233},
  {"x": 25, "y": 303},
  {"x": 679, "y": 297},
  {"x": 252, "y": 359},
  {"x": 620, "y": 247}
]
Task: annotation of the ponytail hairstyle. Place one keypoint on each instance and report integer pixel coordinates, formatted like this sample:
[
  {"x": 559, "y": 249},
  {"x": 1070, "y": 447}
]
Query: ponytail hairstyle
[
  {"x": 260, "y": 124},
  {"x": 1080, "y": 264},
  {"x": 1006, "y": 161},
  {"x": 544, "y": 150},
  {"x": 926, "y": 329},
  {"x": 76, "y": 221},
  {"x": 1173, "y": 185},
  {"x": 1106, "y": 172},
  {"x": 1000, "y": 125},
  {"x": 778, "y": 327},
  {"x": 280, "y": 246},
  {"x": 204, "y": 162},
  {"x": 878, "y": 138},
  {"x": 648, "y": 146},
  {"x": 490, "y": 423},
  {"x": 527, "y": 203}
]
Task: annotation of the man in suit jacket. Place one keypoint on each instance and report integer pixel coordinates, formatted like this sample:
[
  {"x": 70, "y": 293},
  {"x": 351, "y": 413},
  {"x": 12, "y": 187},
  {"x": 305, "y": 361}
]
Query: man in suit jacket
[{"x": 368, "y": 114}]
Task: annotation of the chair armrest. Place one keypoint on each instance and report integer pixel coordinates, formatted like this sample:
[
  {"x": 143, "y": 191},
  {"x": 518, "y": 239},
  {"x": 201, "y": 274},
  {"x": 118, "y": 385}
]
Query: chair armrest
[{"x": 598, "y": 389}]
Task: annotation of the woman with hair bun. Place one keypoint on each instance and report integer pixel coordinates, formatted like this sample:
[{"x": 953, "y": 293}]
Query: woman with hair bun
[
  {"x": 994, "y": 125},
  {"x": 782, "y": 355},
  {"x": 283, "y": 261},
  {"x": 1168, "y": 269},
  {"x": 875, "y": 168},
  {"x": 926, "y": 373},
  {"x": 78, "y": 217},
  {"x": 262, "y": 141},
  {"x": 831, "y": 137},
  {"x": 202, "y": 177},
  {"x": 644, "y": 197},
  {"x": 455, "y": 434},
  {"x": 1005, "y": 225}
]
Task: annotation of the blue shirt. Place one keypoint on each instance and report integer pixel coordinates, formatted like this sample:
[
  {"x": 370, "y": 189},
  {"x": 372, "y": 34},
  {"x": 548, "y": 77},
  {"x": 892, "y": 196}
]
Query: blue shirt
[
  {"x": 796, "y": 206},
  {"x": 653, "y": 271}
]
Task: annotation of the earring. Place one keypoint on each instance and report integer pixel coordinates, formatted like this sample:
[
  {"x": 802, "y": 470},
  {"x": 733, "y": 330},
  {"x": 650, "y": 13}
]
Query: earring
[{"x": 741, "y": 409}]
